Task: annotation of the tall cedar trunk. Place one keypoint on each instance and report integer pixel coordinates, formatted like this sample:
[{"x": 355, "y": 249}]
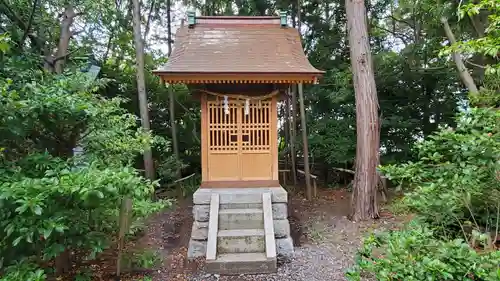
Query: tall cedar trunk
[
  {"x": 305, "y": 144},
  {"x": 462, "y": 70},
  {"x": 364, "y": 203},
  {"x": 141, "y": 87},
  {"x": 293, "y": 134},
  {"x": 299, "y": 10},
  {"x": 286, "y": 133},
  {"x": 171, "y": 91}
]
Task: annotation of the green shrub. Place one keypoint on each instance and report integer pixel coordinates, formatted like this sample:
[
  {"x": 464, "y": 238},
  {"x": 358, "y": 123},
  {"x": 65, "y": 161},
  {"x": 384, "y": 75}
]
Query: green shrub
[
  {"x": 415, "y": 254},
  {"x": 52, "y": 202},
  {"x": 68, "y": 209},
  {"x": 454, "y": 185},
  {"x": 23, "y": 270}
]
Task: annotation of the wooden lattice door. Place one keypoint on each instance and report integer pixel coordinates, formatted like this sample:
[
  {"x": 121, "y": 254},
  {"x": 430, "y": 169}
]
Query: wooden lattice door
[{"x": 240, "y": 140}]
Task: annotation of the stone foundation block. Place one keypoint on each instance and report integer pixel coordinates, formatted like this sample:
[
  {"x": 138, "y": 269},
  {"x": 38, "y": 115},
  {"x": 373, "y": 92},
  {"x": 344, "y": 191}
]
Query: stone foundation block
[
  {"x": 281, "y": 228},
  {"x": 199, "y": 231},
  {"x": 202, "y": 195},
  {"x": 201, "y": 213},
  {"x": 284, "y": 247},
  {"x": 280, "y": 211},
  {"x": 196, "y": 249}
]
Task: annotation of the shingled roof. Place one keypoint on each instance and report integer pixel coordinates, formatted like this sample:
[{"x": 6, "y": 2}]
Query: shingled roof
[{"x": 247, "y": 49}]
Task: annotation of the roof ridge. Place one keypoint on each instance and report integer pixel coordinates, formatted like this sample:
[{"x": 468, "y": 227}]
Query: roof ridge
[
  {"x": 238, "y": 17},
  {"x": 234, "y": 20}
]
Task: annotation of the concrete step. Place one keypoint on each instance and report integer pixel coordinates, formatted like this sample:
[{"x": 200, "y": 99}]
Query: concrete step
[
  {"x": 241, "y": 263},
  {"x": 241, "y": 241},
  {"x": 241, "y": 219},
  {"x": 240, "y": 206}
]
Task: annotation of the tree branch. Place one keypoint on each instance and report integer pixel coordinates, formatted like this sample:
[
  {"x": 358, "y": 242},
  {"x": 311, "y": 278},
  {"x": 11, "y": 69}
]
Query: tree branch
[
  {"x": 148, "y": 21},
  {"x": 475, "y": 64},
  {"x": 462, "y": 70},
  {"x": 30, "y": 22},
  {"x": 66, "y": 55},
  {"x": 16, "y": 19},
  {"x": 400, "y": 36}
]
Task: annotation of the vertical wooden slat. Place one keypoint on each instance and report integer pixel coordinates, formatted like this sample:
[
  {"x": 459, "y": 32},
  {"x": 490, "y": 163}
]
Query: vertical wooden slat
[
  {"x": 239, "y": 118},
  {"x": 225, "y": 122}
]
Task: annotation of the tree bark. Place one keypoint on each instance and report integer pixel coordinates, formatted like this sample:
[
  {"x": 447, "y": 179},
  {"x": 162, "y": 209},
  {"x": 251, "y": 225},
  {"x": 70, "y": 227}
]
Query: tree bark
[
  {"x": 286, "y": 133},
  {"x": 364, "y": 204},
  {"x": 299, "y": 20},
  {"x": 141, "y": 87},
  {"x": 462, "y": 70},
  {"x": 293, "y": 134},
  {"x": 64, "y": 37},
  {"x": 305, "y": 144},
  {"x": 171, "y": 97}
]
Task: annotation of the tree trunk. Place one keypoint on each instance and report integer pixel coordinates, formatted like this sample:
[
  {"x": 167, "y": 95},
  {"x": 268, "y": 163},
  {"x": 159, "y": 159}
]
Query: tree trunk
[
  {"x": 171, "y": 97},
  {"x": 305, "y": 144},
  {"x": 462, "y": 70},
  {"x": 293, "y": 135},
  {"x": 286, "y": 133},
  {"x": 141, "y": 87},
  {"x": 64, "y": 37},
  {"x": 299, "y": 11},
  {"x": 364, "y": 204},
  {"x": 63, "y": 262}
]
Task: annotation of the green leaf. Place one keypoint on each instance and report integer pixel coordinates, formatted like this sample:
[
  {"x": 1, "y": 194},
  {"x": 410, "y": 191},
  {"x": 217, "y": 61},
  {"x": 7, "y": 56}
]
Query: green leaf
[
  {"x": 37, "y": 210},
  {"x": 21, "y": 209},
  {"x": 16, "y": 241},
  {"x": 46, "y": 233}
]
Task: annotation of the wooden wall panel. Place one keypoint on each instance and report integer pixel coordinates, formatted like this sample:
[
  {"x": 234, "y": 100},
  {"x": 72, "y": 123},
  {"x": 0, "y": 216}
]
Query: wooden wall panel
[{"x": 240, "y": 144}]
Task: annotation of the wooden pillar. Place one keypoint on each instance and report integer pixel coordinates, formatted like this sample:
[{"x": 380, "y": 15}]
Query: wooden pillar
[
  {"x": 305, "y": 143},
  {"x": 293, "y": 135},
  {"x": 204, "y": 138}
]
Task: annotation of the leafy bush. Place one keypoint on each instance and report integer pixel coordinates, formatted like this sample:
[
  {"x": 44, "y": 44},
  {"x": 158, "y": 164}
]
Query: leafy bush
[
  {"x": 454, "y": 184},
  {"x": 140, "y": 260},
  {"x": 24, "y": 270},
  {"x": 74, "y": 208},
  {"x": 53, "y": 202},
  {"x": 415, "y": 254}
]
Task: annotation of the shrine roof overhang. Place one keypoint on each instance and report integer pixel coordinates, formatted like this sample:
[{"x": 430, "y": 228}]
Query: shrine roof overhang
[{"x": 238, "y": 50}]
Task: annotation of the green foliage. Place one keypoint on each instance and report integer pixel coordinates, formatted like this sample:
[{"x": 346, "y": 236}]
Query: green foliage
[
  {"x": 23, "y": 270},
  {"x": 454, "y": 183},
  {"x": 146, "y": 259},
  {"x": 58, "y": 113},
  {"x": 414, "y": 254},
  {"x": 489, "y": 45},
  {"x": 84, "y": 275},
  {"x": 74, "y": 208},
  {"x": 51, "y": 200}
]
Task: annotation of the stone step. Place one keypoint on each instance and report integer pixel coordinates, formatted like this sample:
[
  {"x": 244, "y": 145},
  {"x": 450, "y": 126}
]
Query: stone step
[
  {"x": 241, "y": 219},
  {"x": 241, "y": 263},
  {"x": 241, "y": 241},
  {"x": 240, "y": 206}
]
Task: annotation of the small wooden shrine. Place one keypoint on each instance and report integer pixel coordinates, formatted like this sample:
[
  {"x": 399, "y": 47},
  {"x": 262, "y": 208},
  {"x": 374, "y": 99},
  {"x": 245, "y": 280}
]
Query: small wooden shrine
[{"x": 239, "y": 67}]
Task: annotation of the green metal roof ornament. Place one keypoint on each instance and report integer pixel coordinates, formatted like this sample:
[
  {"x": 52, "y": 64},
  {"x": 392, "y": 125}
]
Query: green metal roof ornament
[
  {"x": 191, "y": 18},
  {"x": 283, "y": 18}
]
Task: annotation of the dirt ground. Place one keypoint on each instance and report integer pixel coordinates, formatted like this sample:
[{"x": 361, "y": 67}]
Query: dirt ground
[{"x": 325, "y": 242}]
